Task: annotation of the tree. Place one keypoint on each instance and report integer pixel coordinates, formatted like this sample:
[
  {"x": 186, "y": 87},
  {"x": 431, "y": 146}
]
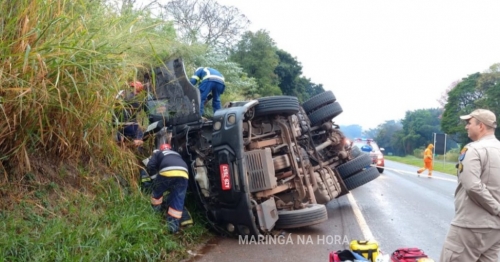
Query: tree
[
  {"x": 461, "y": 101},
  {"x": 419, "y": 127},
  {"x": 288, "y": 72},
  {"x": 489, "y": 85},
  {"x": 291, "y": 83},
  {"x": 256, "y": 53},
  {"x": 207, "y": 22},
  {"x": 371, "y": 133},
  {"x": 444, "y": 96},
  {"x": 386, "y": 136}
]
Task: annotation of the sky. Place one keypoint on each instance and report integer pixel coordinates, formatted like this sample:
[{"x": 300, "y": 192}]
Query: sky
[{"x": 381, "y": 58}]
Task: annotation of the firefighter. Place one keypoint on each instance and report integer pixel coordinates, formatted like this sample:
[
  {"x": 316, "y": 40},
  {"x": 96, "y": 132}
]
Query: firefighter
[
  {"x": 126, "y": 119},
  {"x": 210, "y": 81},
  {"x": 428, "y": 155},
  {"x": 173, "y": 177}
]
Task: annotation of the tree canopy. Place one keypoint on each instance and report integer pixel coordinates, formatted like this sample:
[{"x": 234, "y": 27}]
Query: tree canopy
[
  {"x": 461, "y": 101},
  {"x": 256, "y": 53},
  {"x": 206, "y": 21},
  {"x": 291, "y": 81}
]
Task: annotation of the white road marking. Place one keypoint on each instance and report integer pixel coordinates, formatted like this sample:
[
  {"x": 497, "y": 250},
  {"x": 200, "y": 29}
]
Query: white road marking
[
  {"x": 365, "y": 229},
  {"x": 367, "y": 233},
  {"x": 415, "y": 174}
]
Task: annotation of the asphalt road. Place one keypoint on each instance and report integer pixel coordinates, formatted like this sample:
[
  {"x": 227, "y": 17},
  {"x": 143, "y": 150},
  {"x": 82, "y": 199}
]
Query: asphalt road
[{"x": 398, "y": 209}]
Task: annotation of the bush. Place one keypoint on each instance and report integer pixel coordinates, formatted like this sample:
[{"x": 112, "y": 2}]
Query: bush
[
  {"x": 63, "y": 62},
  {"x": 418, "y": 152},
  {"x": 452, "y": 155},
  {"x": 61, "y": 70}
]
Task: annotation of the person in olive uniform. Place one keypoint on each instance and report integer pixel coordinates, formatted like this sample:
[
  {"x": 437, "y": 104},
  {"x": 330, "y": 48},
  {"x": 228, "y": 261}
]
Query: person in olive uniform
[{"x": 474, "y": 234}]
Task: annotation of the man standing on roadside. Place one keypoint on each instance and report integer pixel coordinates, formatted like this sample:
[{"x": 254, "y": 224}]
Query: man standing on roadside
[{"x": 474, "y": 234}]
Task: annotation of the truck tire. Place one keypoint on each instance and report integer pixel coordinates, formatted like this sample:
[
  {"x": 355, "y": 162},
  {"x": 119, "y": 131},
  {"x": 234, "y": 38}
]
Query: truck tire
[
  {"x": 318, "y": 101},
  {"x": 325, "y": 113},
  {"x": 311, "y": 215},
  {"x": 355, "y": 151},
  {"x": 277, "y": 105},
  {"x": 348, "y": 169},
  {"x": 361, "y": 178}
]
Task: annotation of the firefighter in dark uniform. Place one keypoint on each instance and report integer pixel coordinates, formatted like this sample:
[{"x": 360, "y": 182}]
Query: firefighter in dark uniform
[
  {"x": 211, "y": 81},
  {"x": 126, "y": 119},
  {"x": 474, "y": 234},
  {"x": 172, "y": 177}
]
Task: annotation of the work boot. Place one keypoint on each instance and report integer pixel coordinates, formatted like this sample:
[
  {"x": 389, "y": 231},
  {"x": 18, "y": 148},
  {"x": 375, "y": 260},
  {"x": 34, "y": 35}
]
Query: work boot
[
  {"x": 157, "y": 208},
  {"x": 172, "y": 225},
  {"x": 186, "y": 219}
]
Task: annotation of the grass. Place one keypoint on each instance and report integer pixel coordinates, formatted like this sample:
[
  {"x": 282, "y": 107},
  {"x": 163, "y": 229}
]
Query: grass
[
  {"x": 69, "y": 193},
  {"x": 110, "y": 226},
  {"x": 446, "y": 167}
]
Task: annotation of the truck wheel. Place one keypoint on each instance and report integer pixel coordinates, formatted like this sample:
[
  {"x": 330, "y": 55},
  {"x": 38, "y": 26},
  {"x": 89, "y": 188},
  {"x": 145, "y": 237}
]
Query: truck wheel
[
  {"x": 355, "y": 151},
  {"x": 325, "y": 113},
  {"x": 361, "y": 178},
  {"x": 277, "y": 105},
  {"x": 351, "y": 167},
  {"x": 312, "y": 214},
  {"x": 318, "y": 101}
]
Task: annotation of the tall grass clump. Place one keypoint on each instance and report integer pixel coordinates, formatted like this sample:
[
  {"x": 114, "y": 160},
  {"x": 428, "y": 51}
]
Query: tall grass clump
[
  {"x": 67, "y": 189},
  {"x": 62, "y": 63}
]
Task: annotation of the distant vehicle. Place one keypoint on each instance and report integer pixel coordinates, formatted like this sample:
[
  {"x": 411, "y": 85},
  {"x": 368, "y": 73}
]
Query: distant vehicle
[{"x": 370, "y": 146}]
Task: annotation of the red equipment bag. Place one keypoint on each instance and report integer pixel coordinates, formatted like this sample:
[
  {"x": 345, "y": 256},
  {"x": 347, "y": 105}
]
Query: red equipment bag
[
  {"x": 410, "y": 254},
  {"x": 334, "y": 257}
]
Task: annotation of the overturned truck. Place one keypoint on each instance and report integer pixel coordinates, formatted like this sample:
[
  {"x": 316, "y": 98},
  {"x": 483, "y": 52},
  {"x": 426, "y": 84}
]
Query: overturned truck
[{"x": 258, "y": 165}]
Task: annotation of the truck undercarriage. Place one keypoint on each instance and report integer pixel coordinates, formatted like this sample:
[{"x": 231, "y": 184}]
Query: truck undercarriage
[{"x": 258, "y": 165}]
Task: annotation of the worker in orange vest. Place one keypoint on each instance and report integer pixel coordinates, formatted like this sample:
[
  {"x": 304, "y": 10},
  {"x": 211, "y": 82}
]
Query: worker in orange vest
[{"x": 428, "y": 155}]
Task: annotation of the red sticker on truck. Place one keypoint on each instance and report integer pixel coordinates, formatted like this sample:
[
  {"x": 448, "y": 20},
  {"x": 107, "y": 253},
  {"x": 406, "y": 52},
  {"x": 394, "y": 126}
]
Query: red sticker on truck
[{"x": 224, "y": 177}]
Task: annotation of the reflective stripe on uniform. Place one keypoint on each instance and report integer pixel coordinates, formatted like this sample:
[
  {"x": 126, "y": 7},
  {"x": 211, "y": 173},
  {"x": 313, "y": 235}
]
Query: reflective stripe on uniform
[
  {"x": 156, "y": 202},
  {"x": 213, "y": 77},
  {"x": 174, "y": 213},
  {"x": 170, "y": 168},
  {"x": 175, "y": 173},
  {"x": 196, "y": 77}
]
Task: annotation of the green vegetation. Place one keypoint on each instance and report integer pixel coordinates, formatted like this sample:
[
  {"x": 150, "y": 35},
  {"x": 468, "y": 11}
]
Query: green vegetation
[
  {"x": 415, "y": 130},
  {"x": 69, "y": 192},
  {"x": 108, "y": 226},
  {"x": 446, "y": 167}
]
